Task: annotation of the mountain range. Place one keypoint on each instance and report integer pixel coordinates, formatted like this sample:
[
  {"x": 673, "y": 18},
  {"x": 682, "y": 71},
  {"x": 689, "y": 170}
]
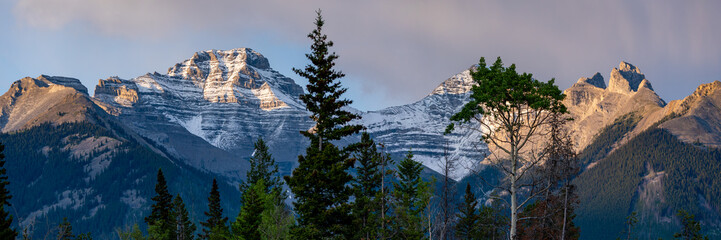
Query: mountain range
[{"x": 94, "y": 158}]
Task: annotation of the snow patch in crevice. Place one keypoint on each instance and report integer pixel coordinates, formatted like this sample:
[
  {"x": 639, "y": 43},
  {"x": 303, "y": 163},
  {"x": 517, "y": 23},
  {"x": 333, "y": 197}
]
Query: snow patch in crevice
[{"x": 194, "y": 125}]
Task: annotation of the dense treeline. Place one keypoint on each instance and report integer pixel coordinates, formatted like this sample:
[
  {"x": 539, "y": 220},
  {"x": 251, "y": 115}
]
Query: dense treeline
[
  {"x": 607, "y": 137},
  {"x": 689, "y": 174},
  {"x": 42, "y": 172}
]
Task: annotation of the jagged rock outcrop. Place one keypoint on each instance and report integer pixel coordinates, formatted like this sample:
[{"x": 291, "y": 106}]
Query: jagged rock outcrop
[{"x": 594, "y": 106}]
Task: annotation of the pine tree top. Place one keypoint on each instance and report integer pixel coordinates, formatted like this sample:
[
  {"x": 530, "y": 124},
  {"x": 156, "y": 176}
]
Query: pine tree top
[
  {"x": 162, "y": 206},
  {"x": 323, "y": 99}
]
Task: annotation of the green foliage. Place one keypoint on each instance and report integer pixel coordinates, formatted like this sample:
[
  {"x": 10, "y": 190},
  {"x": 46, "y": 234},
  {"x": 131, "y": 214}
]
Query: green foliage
[
  {"x": 369, "y": 176},
  {"x": 216, "y": 226},
  {"x": 6, "y": 232},
  {"x": 323, "y": 99},
  {"x": 499, "y": 90},
  {"x": 691, "y": 227},
  {"x": 607, "y": 189},
  {"x": 412, "y": 196},
  {"x": 247, "y": 224},
  {"x": 184, "y": 227},
  {"x": 320, "y": 182},
  {"x": 468, "y": 218},
  {"x": 276, "y": 222},
  {"x": 130, "y": 233},
  {"x": 160, "y": 222},
  {"x": 263, "y": 167}
]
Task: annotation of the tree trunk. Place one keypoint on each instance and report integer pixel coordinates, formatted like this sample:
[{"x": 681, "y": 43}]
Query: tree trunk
[
  {"x": 514, "y": 203},
  {"x": 565, "y": 213}
]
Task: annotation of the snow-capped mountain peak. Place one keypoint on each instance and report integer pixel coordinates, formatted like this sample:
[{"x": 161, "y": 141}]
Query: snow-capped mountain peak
[{"x": 457, "y": 84}]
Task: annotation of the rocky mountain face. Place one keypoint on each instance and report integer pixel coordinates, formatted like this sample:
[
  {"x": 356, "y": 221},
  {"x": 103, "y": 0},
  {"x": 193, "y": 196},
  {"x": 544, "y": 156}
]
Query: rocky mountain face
[
  {"x": 420, "y": 126},
  {"x": 594, "y": 106},
  {"x": 66, "y": 157},
  {"x": 209, "y": 109},
  {"x": 637, "y": 163},
  {"x": 228, "y": 99}
]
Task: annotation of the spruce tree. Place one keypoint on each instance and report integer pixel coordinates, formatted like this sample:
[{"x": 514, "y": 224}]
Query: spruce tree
[
  {"x": 691, "y": 228},
  {"x": 184, "y": 228},
  {"x": 367, "y": 205},
  {"x": 6, "y": 232},
  {"x": 321, "y": 180},
  {"x": 216, "y": 226},
  {"x": 247, "y": 224},
  {"x": 263, "y": 167},
  {"x": 412, "y": 196},
  {"x": 467, "y": 226},
  {"x": 160, "y": 220}
]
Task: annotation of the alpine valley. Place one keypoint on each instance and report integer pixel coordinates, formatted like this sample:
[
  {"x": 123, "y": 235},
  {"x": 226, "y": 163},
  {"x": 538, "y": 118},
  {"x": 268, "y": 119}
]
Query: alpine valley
[{"x": 93, "y": 159}]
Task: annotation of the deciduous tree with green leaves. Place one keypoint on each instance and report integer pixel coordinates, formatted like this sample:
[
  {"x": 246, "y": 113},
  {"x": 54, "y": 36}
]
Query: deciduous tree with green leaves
[
  {"x": 511, "y": 110},
  {"x": 320, "y": 183}
]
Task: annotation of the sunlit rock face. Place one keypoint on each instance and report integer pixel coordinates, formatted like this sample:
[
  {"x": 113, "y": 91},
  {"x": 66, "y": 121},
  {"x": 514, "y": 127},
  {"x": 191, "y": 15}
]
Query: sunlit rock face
[
  {"x": 209, "y": 109},
  {"x": 46, "y": 99},
  {"x": 698, "y": 116},
  {"x": 593, "y": 105}
]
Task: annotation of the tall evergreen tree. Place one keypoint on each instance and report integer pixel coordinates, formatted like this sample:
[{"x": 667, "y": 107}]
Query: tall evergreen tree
[
  {"x": 160, "y": 220},
  {"x": 216, "y": 226},
  {"x": 184, "y": 228},
  {"x": 263, "y": 167},
  {"x": 6, "y": 232},
  {"x": 321, "y": 181},
  {"x": 247, "y": 224},
  {"x": 468, "y": 219},
  {"x": 323, "y": 99},
  {"x": 412, "y": 196},
  {"x": 367, "y": 205}
]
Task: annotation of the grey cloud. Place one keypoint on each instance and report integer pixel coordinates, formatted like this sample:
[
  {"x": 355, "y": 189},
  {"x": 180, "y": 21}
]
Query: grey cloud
[{"x": 405, "y": 48}]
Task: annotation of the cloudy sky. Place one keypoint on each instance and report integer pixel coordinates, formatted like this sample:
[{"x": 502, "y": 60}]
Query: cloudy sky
[{"x": 393, "y": 52}]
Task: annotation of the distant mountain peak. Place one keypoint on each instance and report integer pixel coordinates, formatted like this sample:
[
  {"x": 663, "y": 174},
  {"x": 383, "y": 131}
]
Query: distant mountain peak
[
  {"x": 64, "y": 81},
  {"x": 627, "y": 78},
  {"x": 457, "y": 84},
  {"x": 228, "y": 64},
  {"x": 596, "y": 81}
]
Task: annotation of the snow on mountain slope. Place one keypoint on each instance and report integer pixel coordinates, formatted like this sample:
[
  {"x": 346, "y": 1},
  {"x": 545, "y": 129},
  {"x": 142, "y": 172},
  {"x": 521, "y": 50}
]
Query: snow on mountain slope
[
  {"x": 227, "y": 99},
  {"x": 210, "y": 109},
  {"x": 419, "y": 127}
]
